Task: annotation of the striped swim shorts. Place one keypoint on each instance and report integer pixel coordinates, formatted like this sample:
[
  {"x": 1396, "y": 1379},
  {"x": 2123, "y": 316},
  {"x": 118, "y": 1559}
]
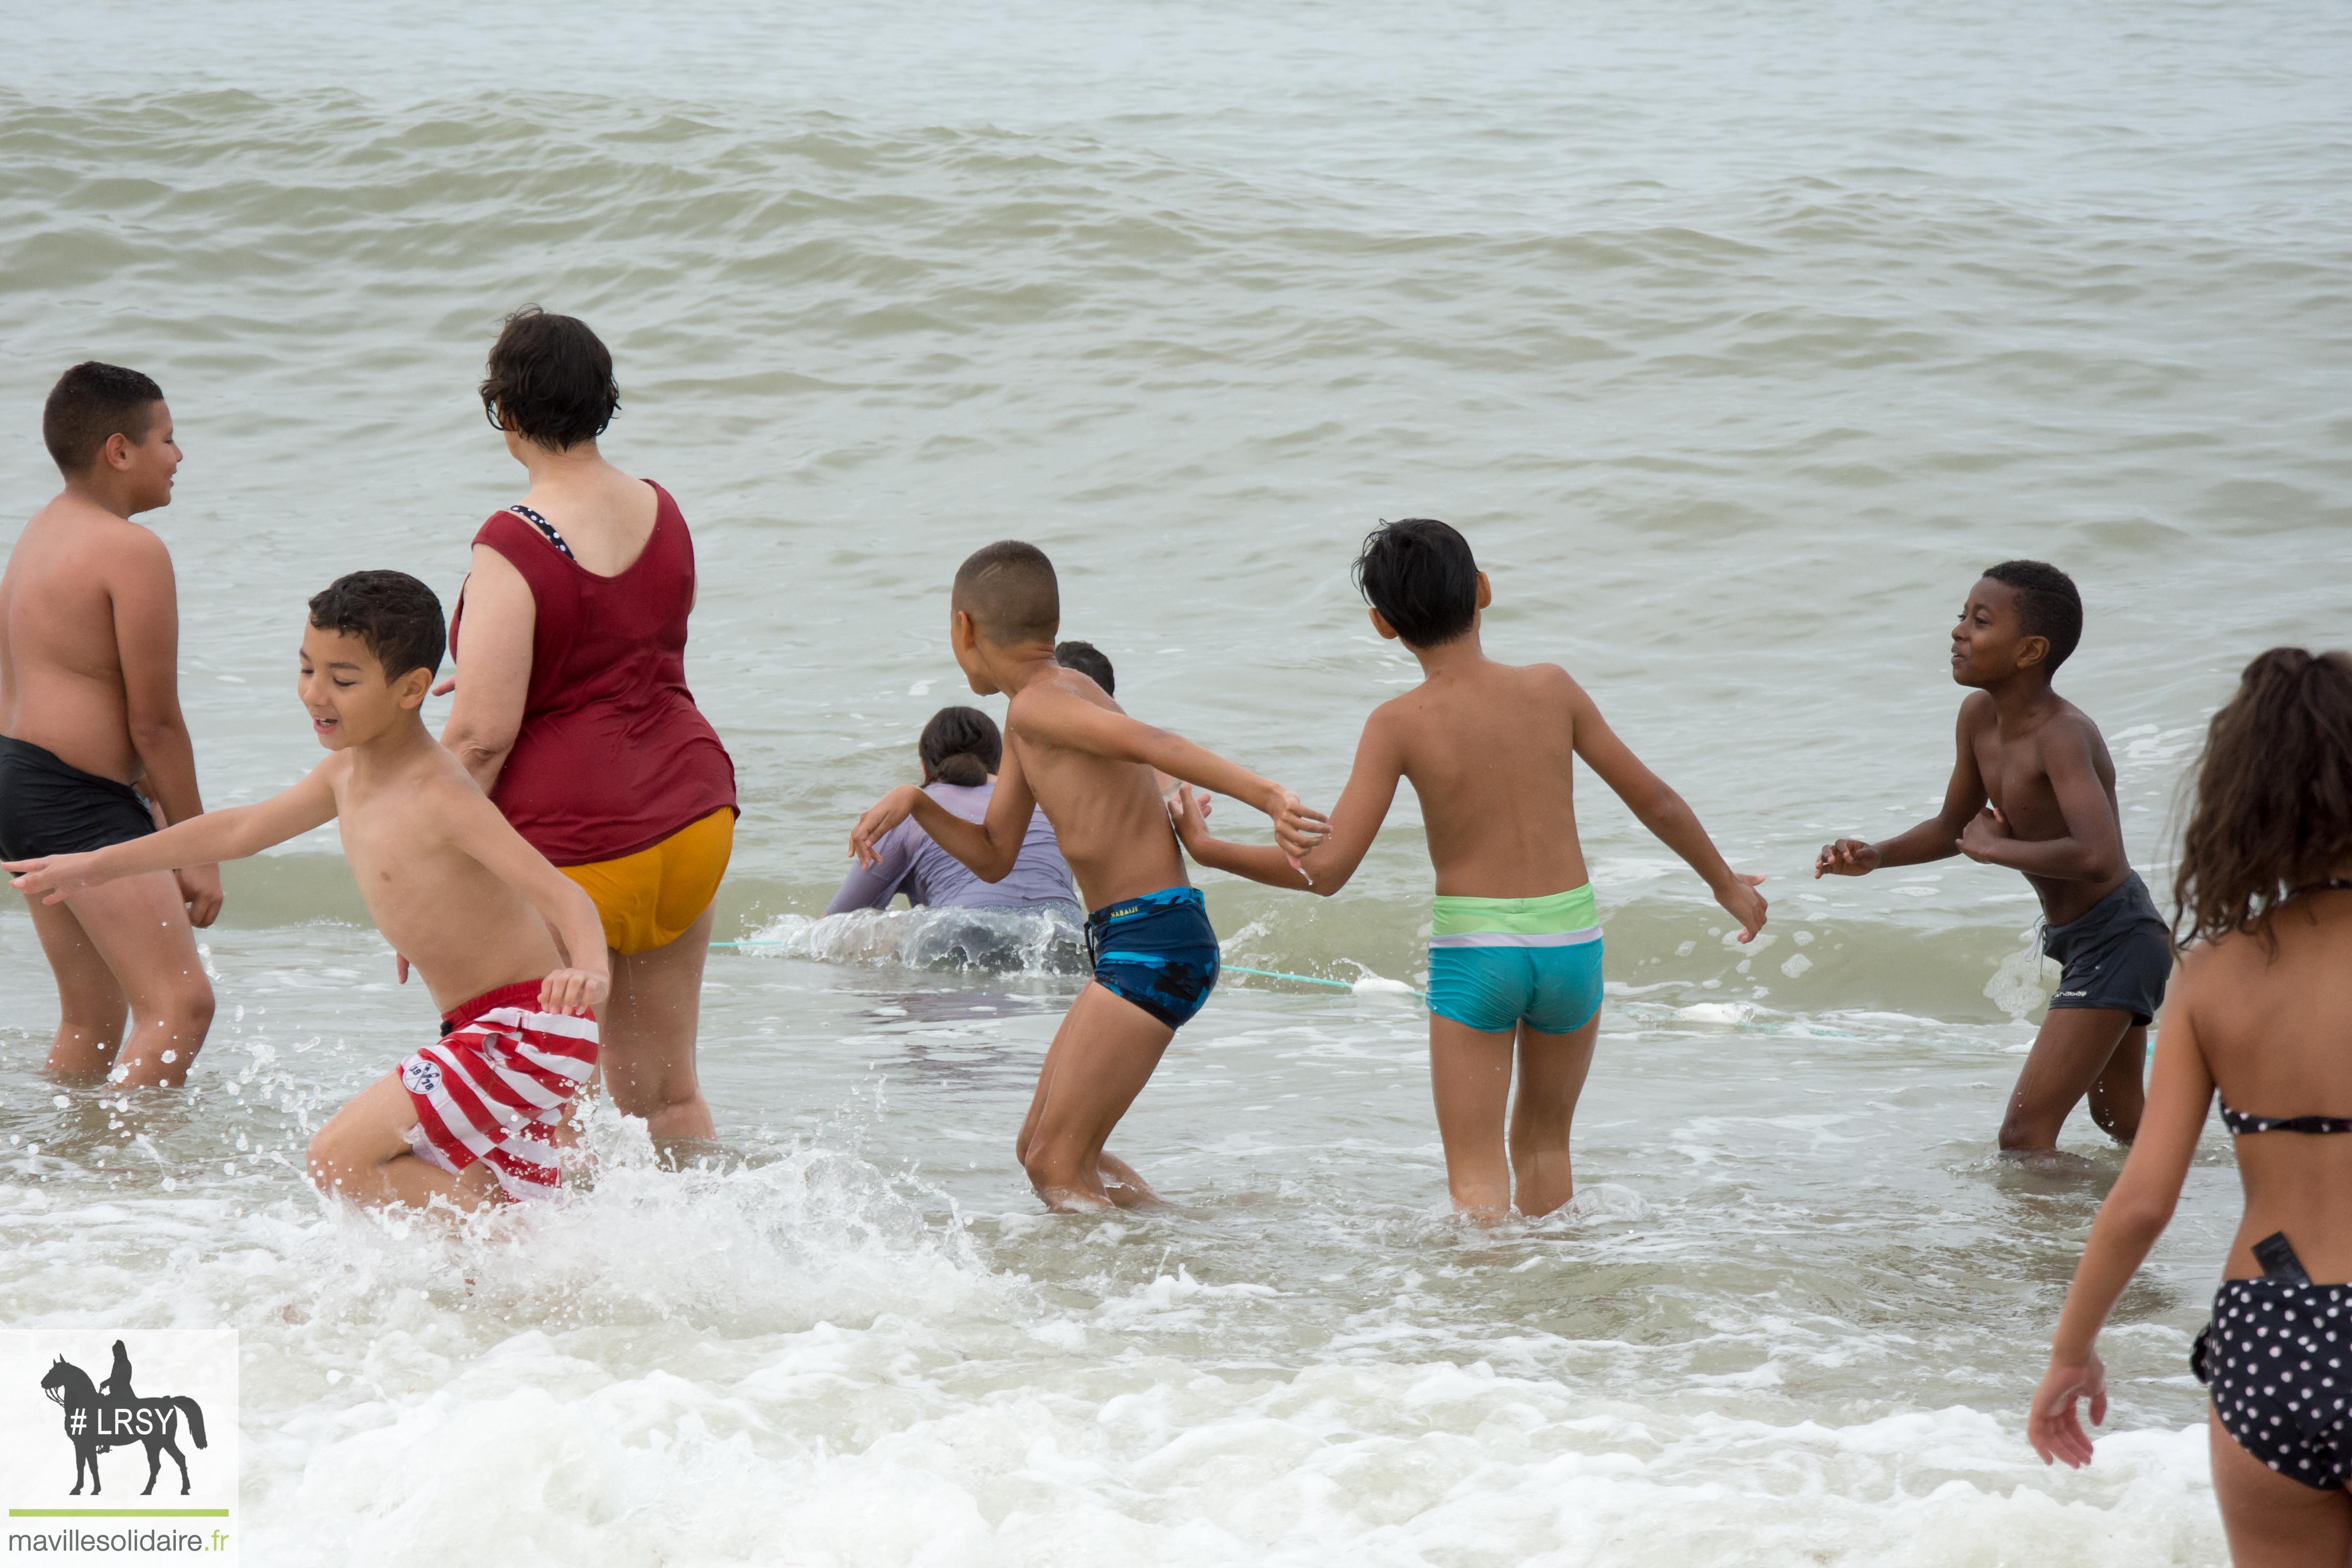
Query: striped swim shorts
[{"x": 496, "y": 1084}]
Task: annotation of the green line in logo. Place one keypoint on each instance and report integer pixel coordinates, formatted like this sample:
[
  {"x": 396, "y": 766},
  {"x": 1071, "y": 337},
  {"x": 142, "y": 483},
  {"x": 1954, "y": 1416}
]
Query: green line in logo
[{"x": 118, "y": 1513}]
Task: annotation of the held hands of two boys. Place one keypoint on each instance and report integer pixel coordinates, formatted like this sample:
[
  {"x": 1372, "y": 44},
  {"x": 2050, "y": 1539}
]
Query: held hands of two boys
[{"x": 1297, "y": 829}]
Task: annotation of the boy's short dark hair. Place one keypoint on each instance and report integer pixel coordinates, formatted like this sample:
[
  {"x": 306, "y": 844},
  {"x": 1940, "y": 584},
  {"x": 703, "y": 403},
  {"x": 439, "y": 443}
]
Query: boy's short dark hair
[
  {"x": 90, "y": 403},
  {"x": 1418, "y": 574},
  {"x": 549, "y": 380},
  {"x": 1087, "y": 660},
  {"x": 1010, "y": 591},
  {"x": 2047, "y": 605},
  {"x": 395, "y": 615}
]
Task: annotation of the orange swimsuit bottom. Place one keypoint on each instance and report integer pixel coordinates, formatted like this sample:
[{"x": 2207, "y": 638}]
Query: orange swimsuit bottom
[{"x": 648, "y": 899}]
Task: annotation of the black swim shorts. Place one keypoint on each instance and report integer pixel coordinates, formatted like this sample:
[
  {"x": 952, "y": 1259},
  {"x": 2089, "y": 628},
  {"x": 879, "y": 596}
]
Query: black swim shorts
[
  {"x": 2117, "y": 954},
  {"x": 48, "y": 806}
]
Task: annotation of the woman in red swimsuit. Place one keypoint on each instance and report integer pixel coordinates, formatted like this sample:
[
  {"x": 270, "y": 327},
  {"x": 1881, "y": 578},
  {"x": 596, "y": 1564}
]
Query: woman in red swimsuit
[{"x": 572, "y": 712}]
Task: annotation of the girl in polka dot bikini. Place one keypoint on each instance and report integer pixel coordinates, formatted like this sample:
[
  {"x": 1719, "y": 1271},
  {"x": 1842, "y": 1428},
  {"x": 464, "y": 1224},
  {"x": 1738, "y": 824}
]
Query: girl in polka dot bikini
[{"x": 2261, "y": 1008}]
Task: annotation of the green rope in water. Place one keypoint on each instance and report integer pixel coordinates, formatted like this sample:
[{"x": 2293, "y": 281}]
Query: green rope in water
[
  {"x": 1302, "y": 979},
  {"x": 1348, "y": 985}
]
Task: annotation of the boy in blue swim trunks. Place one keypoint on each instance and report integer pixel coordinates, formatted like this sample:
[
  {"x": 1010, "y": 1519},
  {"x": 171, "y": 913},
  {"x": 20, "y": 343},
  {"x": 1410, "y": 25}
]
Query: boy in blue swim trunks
[
  {"x": 1071, "y": 750},
  {"x": 1515, "y": 943}
]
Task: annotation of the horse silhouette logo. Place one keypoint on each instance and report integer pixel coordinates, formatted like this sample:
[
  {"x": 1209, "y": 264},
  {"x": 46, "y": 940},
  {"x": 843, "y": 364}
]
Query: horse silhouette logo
[{"x": 115, "y": 1417}]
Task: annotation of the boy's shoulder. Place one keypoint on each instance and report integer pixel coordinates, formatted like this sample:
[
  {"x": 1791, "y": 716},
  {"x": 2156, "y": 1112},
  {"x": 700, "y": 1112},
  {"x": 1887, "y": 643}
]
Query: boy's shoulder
[
  {"x": 2069, "y": 721},
  {"x": 1491, "y": 681},
  {"x": 85, "y": 533},
  {"x": 1056, "y": 692},
  {"x": 1433, "y": 710}
]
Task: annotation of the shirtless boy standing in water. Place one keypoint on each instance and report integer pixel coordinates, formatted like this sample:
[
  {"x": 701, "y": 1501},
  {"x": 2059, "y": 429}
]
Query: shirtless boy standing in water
[
  {"x": 2034, "y": 790},
  {"x": 1071, "y": 750},
  {"x": 480, "y": 1113},
  {"x": 90, "y": 706},
  {"x": 1515, "y": 949}
]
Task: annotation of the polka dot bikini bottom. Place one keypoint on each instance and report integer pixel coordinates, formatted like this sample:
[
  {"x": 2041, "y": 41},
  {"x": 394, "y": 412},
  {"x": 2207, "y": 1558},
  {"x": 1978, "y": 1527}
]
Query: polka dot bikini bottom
[{"x": 2274, "y": 1358}]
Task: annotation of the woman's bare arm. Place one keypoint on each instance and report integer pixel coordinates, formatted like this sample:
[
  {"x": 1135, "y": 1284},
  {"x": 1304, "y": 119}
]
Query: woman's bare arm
[{"x": 493, "y": 674}]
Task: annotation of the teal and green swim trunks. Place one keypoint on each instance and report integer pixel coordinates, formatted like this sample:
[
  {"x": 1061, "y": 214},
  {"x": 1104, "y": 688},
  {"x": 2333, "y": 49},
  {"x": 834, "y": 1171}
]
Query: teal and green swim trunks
[{"x": 1495, "y": 963}]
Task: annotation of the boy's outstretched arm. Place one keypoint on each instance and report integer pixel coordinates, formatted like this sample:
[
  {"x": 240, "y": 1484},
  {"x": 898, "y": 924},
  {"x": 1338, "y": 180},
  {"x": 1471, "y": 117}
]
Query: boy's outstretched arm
[
  {"x": 1059, "y": 718},
  {"x": 988, "y": 847},
  {"x": 1663, "y": 812},
  {"x": 1355, "y": 823},
  {"x": 204, "y": 840},
  {"x": 482, "y": 831},
  {"x": 1938, "y": 837},
  {"x": 2093, "y": 848}
]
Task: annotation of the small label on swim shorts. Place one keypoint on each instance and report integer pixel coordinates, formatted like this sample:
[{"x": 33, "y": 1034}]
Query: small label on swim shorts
[{"x": 419, "y": 1076}]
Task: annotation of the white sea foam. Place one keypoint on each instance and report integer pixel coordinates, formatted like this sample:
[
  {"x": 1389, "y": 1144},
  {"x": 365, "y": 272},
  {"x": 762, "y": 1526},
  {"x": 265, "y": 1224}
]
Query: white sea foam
[{"x": 1030, "y": 942}]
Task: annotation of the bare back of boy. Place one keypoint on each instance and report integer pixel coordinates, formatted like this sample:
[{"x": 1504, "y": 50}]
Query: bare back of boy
[
  {"x": 1073, "y": 751},
  {"x": 1108, "y": 814},
  {"x": 1490, "y": 749},
  {"x": 1112, "y": 826},
  {"x": 88, "y": 672},
  {"x": 63, "y": 684}
]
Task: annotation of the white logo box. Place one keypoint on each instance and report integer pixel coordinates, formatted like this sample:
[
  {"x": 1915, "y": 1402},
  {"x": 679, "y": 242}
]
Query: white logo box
[{"x": 180, "y": 1380}]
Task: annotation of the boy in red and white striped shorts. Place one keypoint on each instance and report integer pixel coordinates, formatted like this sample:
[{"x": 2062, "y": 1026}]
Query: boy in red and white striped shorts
[{"x": 482, "y": 1115}]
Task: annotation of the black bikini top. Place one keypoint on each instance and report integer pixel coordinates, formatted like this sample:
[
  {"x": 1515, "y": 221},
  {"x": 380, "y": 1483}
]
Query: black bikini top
[{"x": 2240, "y": 1123}]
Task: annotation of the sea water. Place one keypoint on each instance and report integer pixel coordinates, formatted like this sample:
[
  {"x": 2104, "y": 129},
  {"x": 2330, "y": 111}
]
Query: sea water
[{"x": 1736, "y": 340}]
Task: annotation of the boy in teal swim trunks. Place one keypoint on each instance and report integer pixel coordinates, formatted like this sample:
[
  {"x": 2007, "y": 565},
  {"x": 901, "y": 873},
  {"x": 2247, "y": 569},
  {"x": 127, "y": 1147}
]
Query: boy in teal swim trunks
[
  {"x": 1515, "y": 944},
  {"x": 1071, "y": 750}
]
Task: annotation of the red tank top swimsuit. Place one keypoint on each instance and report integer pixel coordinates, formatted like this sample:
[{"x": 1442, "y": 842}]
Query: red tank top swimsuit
[{"x": 612, "y": 756}]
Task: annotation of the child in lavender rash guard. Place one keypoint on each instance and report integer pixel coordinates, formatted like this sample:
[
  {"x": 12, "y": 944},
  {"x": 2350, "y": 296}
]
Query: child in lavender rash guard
[{"x": 960, "y": 747}]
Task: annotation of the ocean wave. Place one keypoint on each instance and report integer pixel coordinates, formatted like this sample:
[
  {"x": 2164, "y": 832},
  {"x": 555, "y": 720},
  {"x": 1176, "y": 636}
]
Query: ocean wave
[{"x": 1000, "y": 941}]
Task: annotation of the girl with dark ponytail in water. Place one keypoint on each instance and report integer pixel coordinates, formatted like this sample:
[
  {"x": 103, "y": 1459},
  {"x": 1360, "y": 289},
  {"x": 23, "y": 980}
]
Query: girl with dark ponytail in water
[
  {"x": 960, "y": 749},
  {"x": 2260, "y": 1009}
]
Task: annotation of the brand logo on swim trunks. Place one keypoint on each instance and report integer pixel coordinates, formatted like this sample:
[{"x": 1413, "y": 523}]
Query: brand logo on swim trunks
[
  {"x": 419, "y": 1076},
  {"x": 180, "y": 1417}
]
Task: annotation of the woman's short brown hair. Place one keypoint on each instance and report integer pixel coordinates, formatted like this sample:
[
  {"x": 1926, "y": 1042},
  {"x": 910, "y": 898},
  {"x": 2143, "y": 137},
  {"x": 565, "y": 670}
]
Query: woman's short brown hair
[
  {"x": 549, "y": 380},
  {"x": 2273, "y": 812}
]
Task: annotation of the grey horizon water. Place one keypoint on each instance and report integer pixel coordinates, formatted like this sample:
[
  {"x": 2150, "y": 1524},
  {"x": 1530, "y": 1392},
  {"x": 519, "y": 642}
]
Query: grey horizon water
[{"x": 1737, "y": 342}]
